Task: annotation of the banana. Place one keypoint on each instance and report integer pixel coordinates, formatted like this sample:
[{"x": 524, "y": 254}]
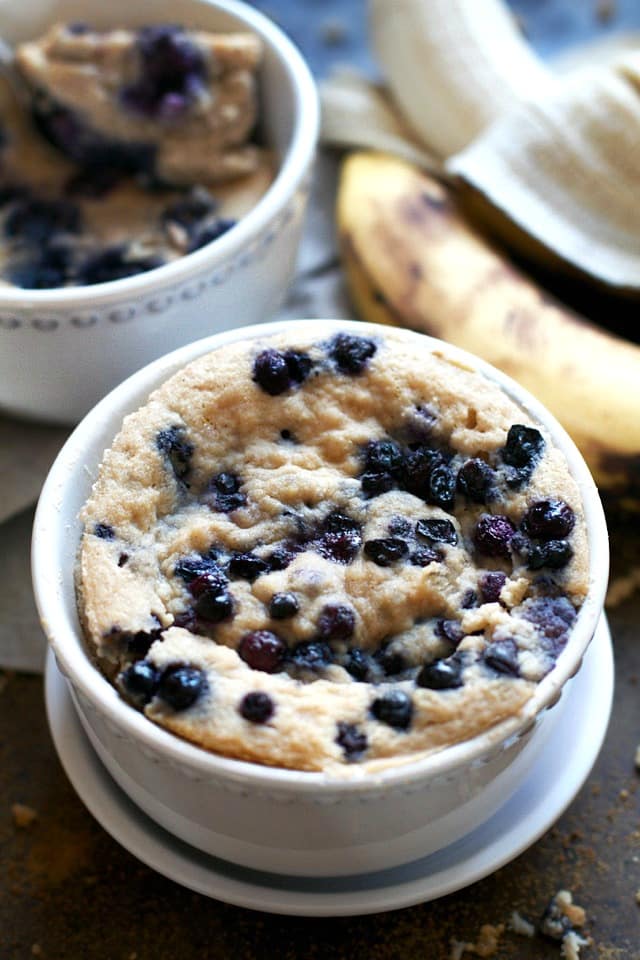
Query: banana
[
  {"x": 410, "y": 259},
  {"x": 453, "y": 66}
]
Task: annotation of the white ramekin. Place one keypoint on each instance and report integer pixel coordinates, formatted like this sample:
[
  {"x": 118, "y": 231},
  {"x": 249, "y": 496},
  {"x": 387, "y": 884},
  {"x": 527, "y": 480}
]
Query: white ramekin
[
  {"x": 272, "y": 819},
  {"x": 62, "y": 350}
]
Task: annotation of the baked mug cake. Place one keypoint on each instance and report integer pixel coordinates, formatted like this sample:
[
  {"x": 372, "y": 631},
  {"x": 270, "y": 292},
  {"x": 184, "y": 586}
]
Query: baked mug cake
[
  {"x": 136, "y": 150},
  {"x": 330, "y": 553}
]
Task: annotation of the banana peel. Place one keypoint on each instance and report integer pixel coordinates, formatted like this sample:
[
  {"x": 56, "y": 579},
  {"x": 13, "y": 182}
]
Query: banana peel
[{"x": 410, "y": 259}]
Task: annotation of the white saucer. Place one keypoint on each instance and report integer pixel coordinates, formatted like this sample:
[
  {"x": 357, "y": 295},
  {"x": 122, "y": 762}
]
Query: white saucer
[{"x": 561, "y": 767}]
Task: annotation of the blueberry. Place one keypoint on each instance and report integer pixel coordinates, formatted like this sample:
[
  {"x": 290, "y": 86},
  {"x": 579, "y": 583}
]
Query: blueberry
[
  {"x": 281, "y": 557},
  {"x": 441, "y": 488},
  {"x": 493, "y": 535},
  {"x": 554, "y": 554},
  {"x": 336, "y": 622},
  {"x": 104, "y": 531},
  {"x": 441, "y": 675},
  {"x": 418, "y": 464},
  {"x": 210, "y": 232},
  {"x": 490, "y": 585},
  {"x": 78, "y": 27},
  {"x": 257, "y": 706},
  {"x": 189, "y": 211},
  {"x": 283, "y": 606},
  {"x": 449, "y": 630},
  {"x": 351, "y": 354},
  {"x": 262, "y": 650},
  {"x": 386, "y": 550},
  {"x": 115, "y": 263},
  {"x": 187, "y": 620},
  {"x": 373, "y": 484},
  {"x": 197, "y": 565},
  {"x": 246, "y": 566},
  {"x": 502, "y": 656},
  {"x": 140, "y": 681},
  {"x": 399, "y": 527},
  {"x": 311, "y": 655},
  {"x": 522, "y": 451},
  {"x": 394, "y": 708},
  {"x": 469, "y": 599},
  {"x": 437, "y": 530},
  {"x": 383, "y": 456},
  {"x": 181, "y": 685},
  {"x": 391, "y": 662},
  {"x": 340, "y": 538},
  {"x": 178, "y": 451},
  {"x": 33, "y": 221},
  {"x": 476, "y": 480},
  {"x": 299, "y": 365},
  {"x": 136, "y": 643},
  {"x": 275, "y": 372},
  {"x": 358, "y": 664},
  {"x": 214, "y": 605},
  {"x": 172, "y": 73},
  {"x": 553, "y": 616},
  {"x": 352, "y": 740},
  {"x": 427, "y": 474},
  {"x": 423, "y": 556},
  {"x": 225, "y": 488},
  {"x": 44, "y": 268},
  {"x": 549, "y": 520}
]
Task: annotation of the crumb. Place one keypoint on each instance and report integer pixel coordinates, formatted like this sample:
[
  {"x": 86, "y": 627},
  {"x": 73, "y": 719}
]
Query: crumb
[
  {"x": 334, "y": 32},
  {"x": 23, "y": 816},
  {"x": 637, "y": 758},
  {"x": 605, "y": 10},
  {"x": 638, "y": 897},
  {"x": 521, "y": 925},
  {"x": 595, "y": 789},
  {"x": 576, "y": 915},
  {"x": 561, "y": 916},
  {"x": 624, "y": 794},
  {"x": 133, "y": 956},
  {"x": 36, "y": 950},
  {"x": 486, "y": 946},
  {"x": 571, "y": 944}
]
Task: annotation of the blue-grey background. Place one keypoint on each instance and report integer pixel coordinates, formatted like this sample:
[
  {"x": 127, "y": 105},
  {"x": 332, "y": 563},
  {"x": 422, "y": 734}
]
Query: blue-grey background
[{"x": 334, "y": 31}]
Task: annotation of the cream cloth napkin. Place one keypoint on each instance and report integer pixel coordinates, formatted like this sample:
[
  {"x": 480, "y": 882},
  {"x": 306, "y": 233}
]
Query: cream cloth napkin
[{"x": 553, "y": 155}]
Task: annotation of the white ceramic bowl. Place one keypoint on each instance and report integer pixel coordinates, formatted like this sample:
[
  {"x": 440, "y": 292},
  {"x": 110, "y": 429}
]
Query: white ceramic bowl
[
  {"x": 272, "y": 819},
  {"x": 62, "y": 350}
]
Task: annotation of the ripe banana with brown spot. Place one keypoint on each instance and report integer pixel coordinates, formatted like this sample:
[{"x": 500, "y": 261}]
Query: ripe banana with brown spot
[{"x": 410, "y": 259}]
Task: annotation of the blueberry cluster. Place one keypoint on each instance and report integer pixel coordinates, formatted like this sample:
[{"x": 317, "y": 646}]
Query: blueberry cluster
[
  {"x": 195, "y": 215},
  {"x": 179, "y": 685},
  {"x": 172, "y": 74},
  {"x": 45, "y": 254},
  {"x": 276, "y": 371}
]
